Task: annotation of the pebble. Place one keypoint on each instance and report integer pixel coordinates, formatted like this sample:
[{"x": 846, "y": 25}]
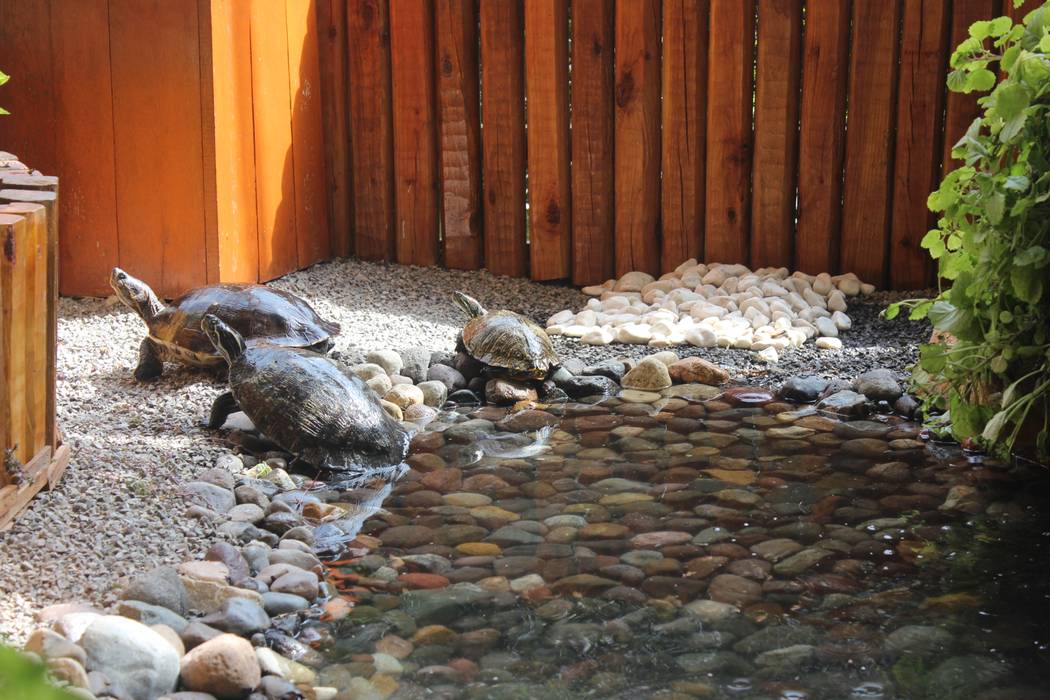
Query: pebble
[
  {"x": 131, "y": 654},
  {"x": 225, "y": 666}
]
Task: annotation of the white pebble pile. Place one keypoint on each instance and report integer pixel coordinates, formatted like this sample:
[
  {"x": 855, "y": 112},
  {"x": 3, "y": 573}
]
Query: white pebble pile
[{"x": 715, "y": 305}]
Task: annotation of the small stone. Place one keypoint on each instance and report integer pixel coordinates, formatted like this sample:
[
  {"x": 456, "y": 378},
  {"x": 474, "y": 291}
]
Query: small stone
[
  {"x": 734, "y": 590},
  {"x": 845, "y": 402},
  {"x": 239, "y": 616},
  {"x": 434, "y": 393},
  {"x": 405, "y": 395},
  {"x": 878, "y": 385},
  {"x": 225, "y": 666},
  {"x": 210, "y": 496},
  {"x": 161, "y": 586},
  {"x": 696, "y": 370},
  {"x": 414, "y": 363},
  {"x": 389, "y": 360},
  {"x": 828, "y": 343},
  {"x": 70, "y": 671},
  {"x": 300, "y": 583},
  {"x": 449, "y": 376},
  {"x": 51, "y": 645},
  {"x": 281, "y": 603},
  {"x": 503, "y": 392},
  {"x": 131, "y": 654},
  {"x": 633, "y": 282},
  {"x": 392, "y": 410},
  {"x": 648, "y": 375},
  {"x": 803, "y": 389},
  {"x": 920, "y": 641},
  {"x": 273, "y": 663},
  {"x": 585, "y": 386}
]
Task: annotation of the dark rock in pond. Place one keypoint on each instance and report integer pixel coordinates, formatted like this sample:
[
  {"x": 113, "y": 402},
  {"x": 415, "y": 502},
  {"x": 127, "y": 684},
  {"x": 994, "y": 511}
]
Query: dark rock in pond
[
  {"x": 613, "y": 369},
  {"x": 441, "y": 606},
  {"x": 550, "y": 393},
  {"x": 906, "y": 406},
  {"x": 834, "y": 386},
  {"x": 477, "y": 385},
  {"x": 504, "y": 392},
  {"x": 777, "y": 637},
  {"x": 878, "y": 385},
  {"x": 746, "y": 396},
  {"x": 845, "y": 402},
  {"x": 239, "y": 616},
  {"x": 449, "y": 376},
  {"x": 803, "y": 389},
  {"x": 527, "y": 420},
  {"x": 920, "y": 641},
  {"x": 464, "y": 397},
  {"x": 710, "y": 662},
  {"x": 962, "y": 677},
  {"x": 559, "y": 374},
  {"x": 584, "y": 386}
]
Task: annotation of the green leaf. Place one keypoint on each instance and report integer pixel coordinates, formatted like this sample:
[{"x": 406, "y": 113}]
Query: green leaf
[
  {"x": 994, "y": 206},
  {"x": 1032, "y": 255},
  {"x": 892, "y": 311},
  {"x": 999, "y": 26},
  {"x": 1006, "y": 316},
  {"x": 981, "y": 79},
  {"x": 1027, "y": 283},
  {"x": 957, "y": 81},
  {"x": 920, "y": 310},
  {"x": 932, "y": 358},
  {"x": 995, "y": 426},
  {"x": 947, "y": 317},
  {"x": 1012, "y": 127},
  {"x": 1016, "y": 183},
  {"x": 981, "y": 30},
  {"x": 1011, "y": 99},
  {"x": 998, "y": 364}
]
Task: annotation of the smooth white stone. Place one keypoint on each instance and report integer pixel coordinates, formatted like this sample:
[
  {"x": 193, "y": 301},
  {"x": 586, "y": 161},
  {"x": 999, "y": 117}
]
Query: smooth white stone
[
  {"x": 772, "y": 289},
  {"x": 701, "y": 337},
  {"x": 837, "y": 301},
  {"x": 575, "y": 330},
  {"x": 827, "y": 343},
  {"x": 715, "y": 277},
  {"x": 597, "y": 336},
  {"x": 827, "y": 327},
  {"x": 849, "y": 287},
  {"x": 560, "y": 318},
  {"x": 586, "y": 318},
  {"x": 866, "y": 288},
  {"x": 814, "y": 299},
  {"x": 822, "y": 284},
  {"x": 768, "y": 355},
  {"x": 556, "y": 329},
  {"x": 634, "y": 333},
  {"x": 687, "y": 265},
  {"x": 841, "y": 321},
  {"x": 633, "y": 281},
  {"x": 593, "y": 291}
]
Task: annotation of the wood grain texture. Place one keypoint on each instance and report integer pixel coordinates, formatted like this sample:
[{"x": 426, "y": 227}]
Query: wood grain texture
[
  {"x": 917, "y": 162},
  {"x": 774, "y": 169},
  {"x": 332, "y": 43},
  {"x": 961, "y": 109},
  {"x": 415, "y": 139},
  {"x": 1018, "y": 13},
  {"x": 459, "y": 131},
  {"x": 637, "y": 175},
  {"x": 5, "y": 413},
  {"x": 14, "y": 335},
  {"x": 822, "y": 138},
  {"x": 869, "y": 140},
  {"x": 729, "y": 131},
  {"x": 229, "y": 141},
  {"x": 26, "y": 56},
  {"x": 547, "y": 96},
  {"x": 89, "y": 246},
  {"x": 371, "y": 129},
  {"x": 274, "y": 170},
  {"x": 503, "y": 137},
  {"x": 593, "y": 135},
  {"x": 684, "y": 121}
]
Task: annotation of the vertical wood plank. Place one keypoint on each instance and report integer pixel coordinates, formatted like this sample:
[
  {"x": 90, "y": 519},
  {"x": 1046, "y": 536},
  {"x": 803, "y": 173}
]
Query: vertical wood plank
[
  {"x": 637, "y": 136},
  {"x": 684, "y": 130},
  {"x": 503, "y": 137},
  {"x": 961, "y": 109},
  {"x": 274, "y": 169},
  {"x": 312, "y": 233},
  {"x": 729, "y": 130},
  {"x": 917, "y": 163},
  {"x": 459, "y": 131},
  {"x": 5, "y": 412},
  {"x": 229, "y": 138},
  {"x": 158, "y": 143},
  {"x": 1018, "y": 13},
  {"x": 822, "y": 135},
  {"x": 593, "y": 131},
  {"x": 547, "y": 96},
  {"x": 415, "y": 140},
  {"x": 25, "y": 55},
  {"x": 869, "y": 140},
  {"x": 332, "y": 39},
  {"x": 13, "y": 232},
  {"x": 776, "y": 132},
  {"x": 371, "y": 129},
  {"x": 89, "y": 246}
]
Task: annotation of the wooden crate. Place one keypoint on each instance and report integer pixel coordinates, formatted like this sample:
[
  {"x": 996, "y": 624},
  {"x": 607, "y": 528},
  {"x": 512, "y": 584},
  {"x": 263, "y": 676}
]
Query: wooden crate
[{"x": 33, "y": 455}]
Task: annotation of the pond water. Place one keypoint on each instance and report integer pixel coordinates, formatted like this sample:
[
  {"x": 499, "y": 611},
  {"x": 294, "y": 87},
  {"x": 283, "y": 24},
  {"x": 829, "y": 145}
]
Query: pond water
[{"x": 670, "y": 547}]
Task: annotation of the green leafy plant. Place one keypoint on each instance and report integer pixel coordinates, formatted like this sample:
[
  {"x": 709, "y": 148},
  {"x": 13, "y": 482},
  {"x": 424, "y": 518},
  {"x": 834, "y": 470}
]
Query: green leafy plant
[
  {"x": 23, "y": 679},
  {"x": 4, "y": 77},
  {"x": 992, "y": 244}
]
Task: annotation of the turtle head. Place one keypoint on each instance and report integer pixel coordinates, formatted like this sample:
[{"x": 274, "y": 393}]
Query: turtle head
[
  {"x": 227, "y": 341},
  {"x": 469, "y": 304},
  {"x": 135, "y": 294}
]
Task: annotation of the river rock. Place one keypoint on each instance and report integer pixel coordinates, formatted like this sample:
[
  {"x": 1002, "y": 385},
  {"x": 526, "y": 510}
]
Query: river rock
[
  {"x": 696, "y": 370},
  {"x": 51, "y": 645},
  {"x": 225, "y": 666},
  {"x": 845, "y": 402},
  {"x": 584, "y": 386},
  {"x": 920, "y": 641},
  {"x": 210, "y": 496},
  {"x": 648, "y": 375},
  {"x": 503, "y": 392},
  {"x": 734, "y": 590},
  {"x": 239, "y": 616},
  {"x": 802, "y": 389},
  {"x": 128, "y": 652},
  {"x": 878, "y": 385},
  {"x": 415, "y": 362},
  {"x": 161, "y": 586},
  {"x": 449, "y": 376},
  {"x": 389, "y": 360},
  {"x": 434, "y": 393}
]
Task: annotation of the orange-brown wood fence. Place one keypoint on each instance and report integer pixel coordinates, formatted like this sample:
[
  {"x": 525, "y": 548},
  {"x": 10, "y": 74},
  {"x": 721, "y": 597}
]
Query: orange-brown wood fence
[{"x": 207, "y": 140}]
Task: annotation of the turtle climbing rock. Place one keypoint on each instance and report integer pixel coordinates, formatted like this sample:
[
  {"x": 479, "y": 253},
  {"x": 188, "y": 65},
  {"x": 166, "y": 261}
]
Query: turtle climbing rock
[
  {"x": 256, "y": 312},
  {"x": 306, "y": 404},
  {"x": 505, "y": 342}
]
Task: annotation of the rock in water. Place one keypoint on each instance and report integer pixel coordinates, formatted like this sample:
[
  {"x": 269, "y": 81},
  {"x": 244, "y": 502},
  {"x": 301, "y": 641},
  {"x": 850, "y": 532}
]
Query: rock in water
[
  {"x": 225, "y": 666},
  {"x": 504, "y": 392},
  {"x": 131, "y": 654},
  {"x": 846, "y": 402},
  {"x": 878, "y": 385},
  {"x": 803, "y": 389},
  {"x": 648, "y": 375},
  {"x": 696, "y": 370}
]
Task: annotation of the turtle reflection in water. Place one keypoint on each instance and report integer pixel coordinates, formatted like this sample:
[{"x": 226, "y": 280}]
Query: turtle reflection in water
[
  {"x": 306, "y": 404},
  {"x": 256, "y": 312},
  {"x": 507, "y": 343}
]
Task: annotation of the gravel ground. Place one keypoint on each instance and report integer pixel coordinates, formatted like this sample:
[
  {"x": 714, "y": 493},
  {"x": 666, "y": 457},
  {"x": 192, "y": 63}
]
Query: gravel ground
[{"x": 117, "y": 510}]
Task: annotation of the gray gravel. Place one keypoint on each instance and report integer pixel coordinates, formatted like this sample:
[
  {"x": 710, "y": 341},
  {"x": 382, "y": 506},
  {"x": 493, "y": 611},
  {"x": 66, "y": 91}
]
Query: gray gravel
[{"x": 117, "y": 510}]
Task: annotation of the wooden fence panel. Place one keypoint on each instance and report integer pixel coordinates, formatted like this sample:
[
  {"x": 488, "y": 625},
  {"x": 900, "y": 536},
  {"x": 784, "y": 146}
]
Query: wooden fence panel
[
  {"x": 729, "y": 130},
  {"x": 547, "y": 95},
  {"x": 637, "y": 176},
  {"x": 961, "y": 109},
  {"x": 684, "y": 120},
  {"x": 25, "y": 55},
  {"x": 332, "y": 40},
  {"x": 869, "y": 140},
  {"x": 776, "y": 132},
  {"x": 917, "y": 164},
  {"x": 592, "y": 141},
  {"x": 371, "y": 129},
  {"x": 503, "y": 137},
  {"x": 459, "y": 131},
  {"x": 14, "y": 234}
]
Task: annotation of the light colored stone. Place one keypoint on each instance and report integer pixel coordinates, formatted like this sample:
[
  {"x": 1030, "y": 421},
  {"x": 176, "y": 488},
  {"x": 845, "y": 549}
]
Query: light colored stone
[
  {"x": 826, "y": 343},
  {"x": 405, "y": 395},
  {"x": 648, "y": 375},
  {"x": 130, "y": 653},
  {"x": 225, "y": 666},
  {"x": 273, "y": 663}
]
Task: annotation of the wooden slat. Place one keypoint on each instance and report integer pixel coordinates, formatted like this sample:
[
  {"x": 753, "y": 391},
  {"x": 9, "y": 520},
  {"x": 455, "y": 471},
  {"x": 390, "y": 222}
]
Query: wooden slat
[
  {"x": 274, "y": 169},
  {"x": 1018, "y": 13},
  {"x": 869, "y": 140},
  {"x": 331, "y": 35},
  {"x": 44, "y": 470},
  {"x": 637, "y": 95},
  {"x": 917, "y": 163},
  {"x": 229, "y": 154},
  {"x": 312, "y": 232},
  {"x": 776, "y": 132},
  {"x": 371, "y": 129},
  {"x": 961, "y": 109},
  {"x": 459, "y": 131},
  {"x": 684, "y": 130},
  {"x": 89, "y": 247},
  {"x": 593, "y": 130},
  {"x": 547, "y": 96},
  {"x": 503, "y": 137},
  {"x": 415, "y": 140},
  {"x": 5, "y": 422},
  {"x": 25, "y": 55},
  {"x": 729, "y": 132},
  {"x": 14, "y": 232}
]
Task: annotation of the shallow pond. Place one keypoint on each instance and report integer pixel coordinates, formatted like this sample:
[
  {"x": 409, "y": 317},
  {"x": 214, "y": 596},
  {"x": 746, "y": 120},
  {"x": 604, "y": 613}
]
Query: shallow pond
[{"x": 671, "y": 547}]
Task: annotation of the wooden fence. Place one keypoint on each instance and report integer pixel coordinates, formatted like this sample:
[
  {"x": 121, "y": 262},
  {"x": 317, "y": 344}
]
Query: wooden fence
[
  {"x": 32, "y": 453},
  {"x": 208, "y": 140}
]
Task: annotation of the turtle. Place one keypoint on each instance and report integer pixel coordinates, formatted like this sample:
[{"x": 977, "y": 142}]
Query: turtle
[
  {"x": 305, "y": 403},
  {"x": 255, "y": 311},
  {"x": 505, "y": 342}
]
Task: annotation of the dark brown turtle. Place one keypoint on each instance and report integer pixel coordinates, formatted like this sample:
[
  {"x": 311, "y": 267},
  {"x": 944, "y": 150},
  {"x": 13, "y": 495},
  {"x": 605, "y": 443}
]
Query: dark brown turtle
[
  {"x": 255, "y": 311},
  {"x": 506, "y": 342},
  {"x": 305, "y": 403}
]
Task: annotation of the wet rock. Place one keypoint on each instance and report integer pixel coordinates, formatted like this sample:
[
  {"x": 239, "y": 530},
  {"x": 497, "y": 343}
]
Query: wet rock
[
  {"x": 584, "y": 386},
  {"x": 647, "y": 375},
  {"x": 443, "y": 606},
  {"x": 281, "y": 603},
  {"x": 503, "y": 392},
  {"x": 777, "y": 637},
  {"x": 464, "y": 397},
  {"x": 434, "y": 393},
  {"x": 845, "y": 402},
  {"x": 746, "y": 396},
  {"x": 776, "y": 549},
  {"x": 962, "y": 677},
  {"x": 527, "y": 420},
  {"x": 963, "y": 498},
  {"x": 713, "y": 662},
  {"x": 797, "y": 563},
  {"x": 696, "y": 370},
  {"x": 131, "y": 654},
  {"x": 788, "y": 659},
  {"x": 224, "y": 666},
  {"x": 406, "y": 536},
  {"x": 803, "y": 389},
  {"x": 920, "y": 641},
  {"x": 239, "y": 616},
  {"x": 878, "y": 385},
  {"x": 734, "y": 590},
  {"x": 906, "y": 406},
  {"x": 274, "y": 664},
  {"x": 161, "y": 586}
]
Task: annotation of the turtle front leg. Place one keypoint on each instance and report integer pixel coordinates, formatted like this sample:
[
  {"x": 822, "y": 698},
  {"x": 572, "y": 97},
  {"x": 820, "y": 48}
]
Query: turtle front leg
[
  {"x": 150, "y": 365},
  {"x": 221, "y": 409}
]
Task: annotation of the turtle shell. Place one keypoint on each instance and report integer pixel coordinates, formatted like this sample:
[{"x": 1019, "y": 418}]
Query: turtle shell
[
  {"x": 257, "y": 312},
  {"x": 309, "y": 406},
  {"x": 509, "y": 341}
]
